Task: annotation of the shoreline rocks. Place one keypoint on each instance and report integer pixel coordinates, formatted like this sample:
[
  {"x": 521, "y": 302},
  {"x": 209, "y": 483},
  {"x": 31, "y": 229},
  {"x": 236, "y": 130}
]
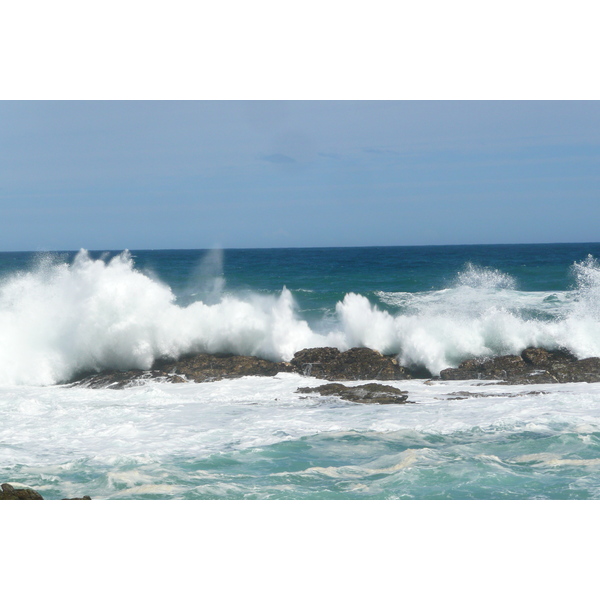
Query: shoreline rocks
[
  {"x": 532, "y": 366},
  {"x": 368, "y": 393},
  {"x": 325, "y": 363},
  {"x": 197, "y": 368},
  {"x": 11, "y": 493},
  {"x": 352, "y": 365}
]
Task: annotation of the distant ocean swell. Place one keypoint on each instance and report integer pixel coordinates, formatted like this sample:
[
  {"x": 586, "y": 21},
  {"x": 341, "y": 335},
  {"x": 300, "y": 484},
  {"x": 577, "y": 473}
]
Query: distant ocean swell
[{"x": 62, "y": 318}]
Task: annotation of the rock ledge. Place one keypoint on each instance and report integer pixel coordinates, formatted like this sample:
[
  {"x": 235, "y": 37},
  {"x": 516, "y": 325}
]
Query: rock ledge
[{"x": 369, "y": 393}]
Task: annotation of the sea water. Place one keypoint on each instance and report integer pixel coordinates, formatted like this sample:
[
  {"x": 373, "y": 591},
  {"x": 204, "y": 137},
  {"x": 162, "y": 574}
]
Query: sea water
[{"x": 62, "y": 314}]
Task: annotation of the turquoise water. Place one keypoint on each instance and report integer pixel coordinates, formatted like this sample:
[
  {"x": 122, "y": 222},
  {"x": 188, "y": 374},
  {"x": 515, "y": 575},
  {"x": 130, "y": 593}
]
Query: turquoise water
[{"x": 257, "y": 438}]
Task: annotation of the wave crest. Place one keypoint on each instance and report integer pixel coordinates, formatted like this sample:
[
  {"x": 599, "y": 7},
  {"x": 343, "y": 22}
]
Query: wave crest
[{"x": 62, "y": 319}]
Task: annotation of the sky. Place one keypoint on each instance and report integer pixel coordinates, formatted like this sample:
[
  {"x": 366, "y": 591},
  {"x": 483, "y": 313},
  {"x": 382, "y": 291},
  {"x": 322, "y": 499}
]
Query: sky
[{"x": 241, "y": 174}]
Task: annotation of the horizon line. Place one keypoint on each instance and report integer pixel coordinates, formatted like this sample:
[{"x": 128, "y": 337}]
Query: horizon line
[{"x": 301, "y": 247}]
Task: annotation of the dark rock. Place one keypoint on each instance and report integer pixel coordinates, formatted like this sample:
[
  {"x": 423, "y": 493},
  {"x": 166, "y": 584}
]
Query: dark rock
[
  {"x": 369, "y": 393},
  {"x": 84, "y": 498},
  {"x": 542, "y": 358},
  {"x": 352, "y": 365},
  {"x": 210, "y": 367},
  {"x": 198, "y": 368},
  {"x": 502, "y": 368},
  {"x": 535, "y": 365},
  {"x": 463, "y": 395},
  {"x": 10, "y": 493}
]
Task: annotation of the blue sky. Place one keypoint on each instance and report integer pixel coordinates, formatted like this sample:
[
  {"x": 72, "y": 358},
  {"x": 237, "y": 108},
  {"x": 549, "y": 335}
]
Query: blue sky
[{"x": 164, "y": 174}]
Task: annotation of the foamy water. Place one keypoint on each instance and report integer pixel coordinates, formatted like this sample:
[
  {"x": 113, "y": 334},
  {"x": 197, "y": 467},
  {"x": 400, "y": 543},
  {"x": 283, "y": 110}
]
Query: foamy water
[
  {"x": 257, "y": 437},
  {"x": 65, "y": 318}
]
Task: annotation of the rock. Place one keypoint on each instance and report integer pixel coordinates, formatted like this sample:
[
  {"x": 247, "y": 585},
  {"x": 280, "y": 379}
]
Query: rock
[
  {"x": 10, "y": 493},
  {"x": 534, "y": 365},
  {"x": 369, "y": 393},
  {"x": 542, "y": 358},
  {"x": 507, "y": 368},
  {"x": 84, "y": 498},
  {"x": 351, "y": 365},
  {"x": 325, "y": 363},
  {"x": 198, "y": 368},
  {"x": 117, "y": 380},
  {"x": 210, "y": 367}
]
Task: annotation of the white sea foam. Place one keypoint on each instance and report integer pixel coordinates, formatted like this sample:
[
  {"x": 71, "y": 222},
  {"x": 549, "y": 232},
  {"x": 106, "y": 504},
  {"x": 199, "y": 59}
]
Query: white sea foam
[{"x": 61, "y": 319}]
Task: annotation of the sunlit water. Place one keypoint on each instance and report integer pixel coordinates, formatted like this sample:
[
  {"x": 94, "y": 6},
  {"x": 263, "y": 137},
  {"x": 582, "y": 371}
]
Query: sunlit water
[{"x": 257, "y": 438}]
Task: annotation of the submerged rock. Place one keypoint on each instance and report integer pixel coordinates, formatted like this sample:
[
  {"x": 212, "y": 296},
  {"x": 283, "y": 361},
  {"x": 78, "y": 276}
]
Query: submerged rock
[
  {"x": 351, "y": 365},
  {"x": 10, "y": 493},
  {"x": 534, "y": 365},
  {"x": 369, "y": 393},
  {"x": 117, "y": 380}
]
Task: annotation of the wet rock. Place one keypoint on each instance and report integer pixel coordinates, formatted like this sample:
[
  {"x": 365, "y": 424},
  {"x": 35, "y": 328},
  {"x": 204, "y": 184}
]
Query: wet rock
[
  {"x": 507, "y": 368},
  {"x": 197, "y": 368},
  {"x": 542, "y": 358},
  {"x": 463, "y": 395},
  {"x": 534, "y": 365},
  {"x": 351, "y": 365},
  {"x": 10, "y": 493},
  {"x": 117, "y": 380},
  {"x": 369, "y": 393},
  {"x": 210, "y": 367},
  {"x": 84, "y": 498}
]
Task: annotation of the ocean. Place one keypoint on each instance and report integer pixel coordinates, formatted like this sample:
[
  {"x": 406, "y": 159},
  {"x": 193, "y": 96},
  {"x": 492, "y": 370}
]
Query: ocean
[{"x": 65, "y": 313}]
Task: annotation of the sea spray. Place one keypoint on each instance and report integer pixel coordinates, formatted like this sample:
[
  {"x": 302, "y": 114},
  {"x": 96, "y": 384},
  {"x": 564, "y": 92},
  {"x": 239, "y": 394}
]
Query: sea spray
[{"x": 63, "y": 318}]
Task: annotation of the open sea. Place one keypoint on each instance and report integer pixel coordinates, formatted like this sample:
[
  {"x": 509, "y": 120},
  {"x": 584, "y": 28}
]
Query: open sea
[{"x": 62, "y": 314}]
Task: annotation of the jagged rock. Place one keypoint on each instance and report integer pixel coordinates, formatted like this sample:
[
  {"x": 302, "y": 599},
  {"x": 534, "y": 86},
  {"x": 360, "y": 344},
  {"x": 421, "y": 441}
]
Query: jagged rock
[
  {"x": 542, "y": 358},
  {"x": 10, "y": 493},
  {"x": 198, "y": 368},
  {"x": 351, "y": 365},
  {"x": 502, "y": 368},
  {"x": 210, "y": 367},
  {"x": 535, "y": 365},
  {"x": 369, "y": 393}
]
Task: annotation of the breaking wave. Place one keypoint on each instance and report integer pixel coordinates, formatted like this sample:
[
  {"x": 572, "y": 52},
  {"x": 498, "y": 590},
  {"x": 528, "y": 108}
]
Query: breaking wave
[{"x": 61, "y": 319}]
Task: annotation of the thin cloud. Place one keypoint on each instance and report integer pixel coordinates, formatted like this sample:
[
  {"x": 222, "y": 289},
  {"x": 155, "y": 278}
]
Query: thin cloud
[
  {"x": 278, "y": 158},
  {"x": 380, "y": 151}
]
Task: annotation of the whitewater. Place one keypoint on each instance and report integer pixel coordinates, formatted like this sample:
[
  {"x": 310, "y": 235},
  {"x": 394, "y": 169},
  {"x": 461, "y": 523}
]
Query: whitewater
[
  {"x": 64, "y": 318},
  {"x": 65, "y": 314}
]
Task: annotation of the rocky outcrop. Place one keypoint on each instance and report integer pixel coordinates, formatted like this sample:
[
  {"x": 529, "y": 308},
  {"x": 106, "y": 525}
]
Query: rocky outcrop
[
  {"x": 197, "y": 368},
  {"x": 325, "y": 363},
  {"x": 10, "y": 493},
  {"x": 534, "y": 365},
  {"x": 351, "y": 365},
  {"x": 210, "y": 367},
  {"x": 369, "y": 393}
]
